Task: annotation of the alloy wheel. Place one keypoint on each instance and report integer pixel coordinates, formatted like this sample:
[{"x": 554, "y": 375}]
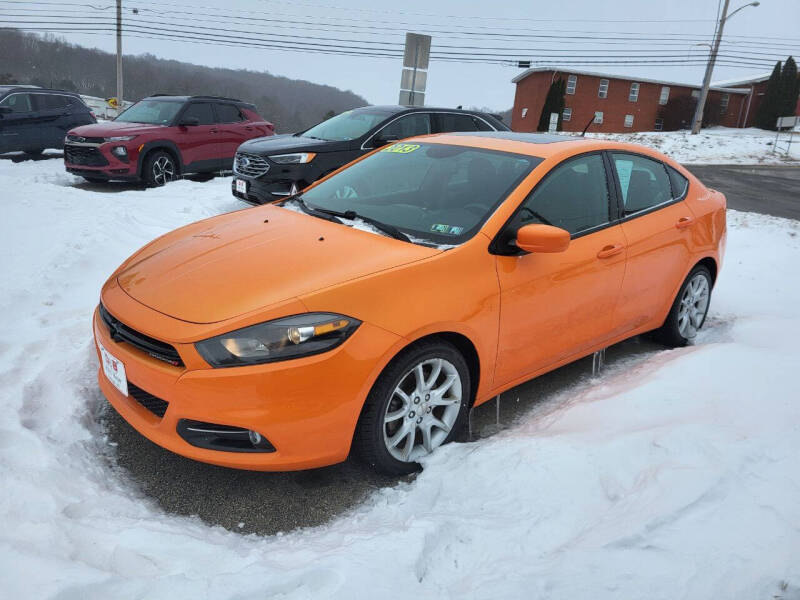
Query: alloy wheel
[
  {"x": 693, "y": 307},
  {"x": 163, "y": 170},
  {"x": 422, "y": 410}
]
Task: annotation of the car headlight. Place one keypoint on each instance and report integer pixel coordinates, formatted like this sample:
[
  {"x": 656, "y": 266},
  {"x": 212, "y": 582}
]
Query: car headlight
[
  {"x": 120, "y": 138},
  {"x": 281, "y": 339},
  {"x": 298, "y": 158}
]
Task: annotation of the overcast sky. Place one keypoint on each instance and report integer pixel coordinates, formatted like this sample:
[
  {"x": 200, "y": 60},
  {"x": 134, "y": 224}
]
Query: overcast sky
[{"x": 774, "y": 23}]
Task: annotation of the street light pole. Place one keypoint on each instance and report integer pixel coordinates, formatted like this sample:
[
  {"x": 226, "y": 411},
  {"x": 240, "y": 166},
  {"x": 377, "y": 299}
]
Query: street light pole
[
  {"x": 119, "y": 55},
  {"x": 712, "y": 59}
]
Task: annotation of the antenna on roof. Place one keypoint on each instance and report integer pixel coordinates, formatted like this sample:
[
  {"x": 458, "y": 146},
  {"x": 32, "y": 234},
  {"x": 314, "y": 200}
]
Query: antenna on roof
[{"x": 589, "y": 124}]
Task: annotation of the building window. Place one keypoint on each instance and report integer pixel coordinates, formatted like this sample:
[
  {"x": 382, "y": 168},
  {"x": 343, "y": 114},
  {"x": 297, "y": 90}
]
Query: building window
[
  {"x": 695, "y": 93},
  {"x": 664, "y": 95},
  {"x": 602, "y": 91},
  {"x": 659, "y": 125},
  {"x": 524, "y": 112},
  {"x": 628, "y": 120},
  {"x": 598, "y": 117},
  {"x": 572, "y": 83},
  {"x": 567, "y": 114},
  {"x": 724, "y": 100},
  {"x": 633, "y": 95}
]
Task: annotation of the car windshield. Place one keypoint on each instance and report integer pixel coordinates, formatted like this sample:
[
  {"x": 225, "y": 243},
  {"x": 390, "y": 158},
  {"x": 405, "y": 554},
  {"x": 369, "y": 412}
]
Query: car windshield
[
  {"x": 435, "y": 193},
  {"x": 151, "y": 112},
  {"x": 349, "y": 125}
]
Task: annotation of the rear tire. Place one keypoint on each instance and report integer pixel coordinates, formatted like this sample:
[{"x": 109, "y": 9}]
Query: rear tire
[
  {"x": 418, "y": 403},
  {"x": 689, "y": 310},
  {"x": 159, "y": 168}
]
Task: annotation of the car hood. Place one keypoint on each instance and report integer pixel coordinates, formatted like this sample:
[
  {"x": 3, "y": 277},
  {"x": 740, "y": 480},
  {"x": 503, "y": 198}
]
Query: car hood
[
  {"x": 241, "y": 262},
  {"x": 114, "y": 128},
  {"x": 283, "y": 144}
]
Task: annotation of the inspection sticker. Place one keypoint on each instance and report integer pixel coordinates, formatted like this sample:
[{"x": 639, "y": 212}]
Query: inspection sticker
[
  {"x": 401, "y": 148},
  {"x": 447, "y": 229}
]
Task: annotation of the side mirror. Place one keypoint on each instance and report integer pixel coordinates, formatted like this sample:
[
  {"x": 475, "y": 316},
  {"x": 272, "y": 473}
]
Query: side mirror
[
  {"x": 189, "y": 122},
  {"x": 542, "y": 238},
  {"x": 377, "y": 142}
]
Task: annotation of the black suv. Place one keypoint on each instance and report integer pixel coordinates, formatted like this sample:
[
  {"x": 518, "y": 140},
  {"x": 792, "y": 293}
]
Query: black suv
[
  {"x": 32, "y": 119},
  {"x": 267, "y": 169}
]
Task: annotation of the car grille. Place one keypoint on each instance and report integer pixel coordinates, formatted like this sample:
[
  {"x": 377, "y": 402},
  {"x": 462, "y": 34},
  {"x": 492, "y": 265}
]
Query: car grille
[
  {"x": 157, "y": 406},
  {"x": 83, "y": 155},
  {"x": 84, "y": 140},
  {"x": 155, "y": 348},
  {"x": 250, "y": 165}
]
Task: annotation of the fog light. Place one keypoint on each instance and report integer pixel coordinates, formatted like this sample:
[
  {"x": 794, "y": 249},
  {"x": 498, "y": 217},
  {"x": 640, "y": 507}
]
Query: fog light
[
  {"x": 120, "y": 151},
  {"x": 257, "y": 439}
]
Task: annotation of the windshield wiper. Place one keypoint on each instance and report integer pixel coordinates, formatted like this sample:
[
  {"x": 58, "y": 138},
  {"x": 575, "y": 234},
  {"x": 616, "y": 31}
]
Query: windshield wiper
[
  {"x": 314, "y": 212},
  {"x": 351, "y": 215}
]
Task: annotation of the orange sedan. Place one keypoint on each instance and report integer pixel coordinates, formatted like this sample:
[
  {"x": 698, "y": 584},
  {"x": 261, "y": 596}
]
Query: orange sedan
[{"x": 374, "y": 309}]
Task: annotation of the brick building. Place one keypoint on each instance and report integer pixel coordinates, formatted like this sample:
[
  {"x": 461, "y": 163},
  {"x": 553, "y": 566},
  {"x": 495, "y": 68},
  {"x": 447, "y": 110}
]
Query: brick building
[{"x": 619, "y": 104}]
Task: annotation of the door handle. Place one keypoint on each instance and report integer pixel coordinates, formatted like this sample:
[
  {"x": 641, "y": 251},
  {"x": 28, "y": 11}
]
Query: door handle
[
  {"x": 684, "y": 222},
  {"x": 215, "y": 131},
  {"x": 610, "y": 250}
]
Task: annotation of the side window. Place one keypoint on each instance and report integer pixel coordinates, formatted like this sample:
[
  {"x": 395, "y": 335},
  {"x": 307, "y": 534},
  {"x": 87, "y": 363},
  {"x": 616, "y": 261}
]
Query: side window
[
  {"x": 679, "y": 183},
  {"x": 228, "y": 113},
  {"x": 449, "y": 122},
  {"x": 408, "y": 126},
  {"x": 202, "y": 111},
  {"x": 573, "y": 196},
  {"x": 50, "y": 101},
  {"x": 18, "y": 103},
  {"x": 644, "y": 182}
]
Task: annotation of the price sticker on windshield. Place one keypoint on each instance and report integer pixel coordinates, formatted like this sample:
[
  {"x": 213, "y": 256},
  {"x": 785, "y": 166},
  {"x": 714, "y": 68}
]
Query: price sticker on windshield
[{"x": 401, "y": 148}]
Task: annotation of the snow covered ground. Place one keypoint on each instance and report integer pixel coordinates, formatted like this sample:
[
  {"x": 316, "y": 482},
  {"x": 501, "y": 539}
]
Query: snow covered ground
[
  {"x": 717, "y": 145},
  {"x": 674, "y": 475}
]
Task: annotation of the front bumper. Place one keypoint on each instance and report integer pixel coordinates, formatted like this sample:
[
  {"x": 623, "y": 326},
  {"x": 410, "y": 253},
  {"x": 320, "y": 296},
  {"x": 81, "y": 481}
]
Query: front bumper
[
  {"x": 307, "y": 408},
  {"x": 277, "y": 183},
  {"x": 98, "y": 162}
]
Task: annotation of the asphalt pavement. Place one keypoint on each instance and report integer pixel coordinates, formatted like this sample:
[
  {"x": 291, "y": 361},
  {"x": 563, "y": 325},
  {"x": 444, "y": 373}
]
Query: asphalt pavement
[{"x": 770, "y": 190}]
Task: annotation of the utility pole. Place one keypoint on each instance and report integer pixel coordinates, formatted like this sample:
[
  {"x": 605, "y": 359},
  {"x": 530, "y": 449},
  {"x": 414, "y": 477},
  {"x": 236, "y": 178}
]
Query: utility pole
[
  {"x": 119, "y": 56},
  {"x": 712, "y": 59}
]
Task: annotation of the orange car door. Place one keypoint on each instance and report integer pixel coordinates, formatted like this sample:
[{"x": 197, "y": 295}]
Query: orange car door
[
  {"x": 657, "y": 225},
  {"x": 555, "y": 306}
]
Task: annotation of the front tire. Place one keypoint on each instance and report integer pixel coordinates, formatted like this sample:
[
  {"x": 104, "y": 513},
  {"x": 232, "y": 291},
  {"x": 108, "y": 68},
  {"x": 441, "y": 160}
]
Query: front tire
[
  {"x": 689, "y": 310},
  {"x": 417, "y": 404},
  {"x": 159, "y": 168}
]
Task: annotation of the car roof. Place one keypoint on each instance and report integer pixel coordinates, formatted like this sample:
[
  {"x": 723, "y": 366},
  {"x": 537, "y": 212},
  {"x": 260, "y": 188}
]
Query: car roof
[
  {"x": 542, "y": 145},
  {"x": 397, "y": 108},
  {"x": 32, "y": 88},
  {"x": 171, "y": 98}
]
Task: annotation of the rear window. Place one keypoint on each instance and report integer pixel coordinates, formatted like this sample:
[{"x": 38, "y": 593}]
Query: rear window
[{"x": 51, "y": 101}]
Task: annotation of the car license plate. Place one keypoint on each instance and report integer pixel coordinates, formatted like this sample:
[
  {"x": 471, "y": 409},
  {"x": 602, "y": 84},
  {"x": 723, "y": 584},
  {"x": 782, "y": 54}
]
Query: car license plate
[
  {"x": 241, "y": 186},
  {"x": 114, "y": 370}
]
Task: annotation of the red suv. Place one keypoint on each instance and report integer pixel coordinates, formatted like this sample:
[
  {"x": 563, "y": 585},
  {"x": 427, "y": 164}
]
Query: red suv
[{"x": 163, "y": 137}]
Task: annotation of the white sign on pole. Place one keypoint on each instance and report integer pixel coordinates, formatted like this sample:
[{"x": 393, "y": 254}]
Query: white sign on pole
[
  {"x": 784, "y": 122},
  {"x": 553, "y": 123},
  {"x": 415, "y": 69}
]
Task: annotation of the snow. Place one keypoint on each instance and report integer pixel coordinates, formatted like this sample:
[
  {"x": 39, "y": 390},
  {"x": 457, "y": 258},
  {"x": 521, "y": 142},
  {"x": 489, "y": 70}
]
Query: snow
[
  {"x": 673, "y": 475},
  {"x": 716, "y": 145}
]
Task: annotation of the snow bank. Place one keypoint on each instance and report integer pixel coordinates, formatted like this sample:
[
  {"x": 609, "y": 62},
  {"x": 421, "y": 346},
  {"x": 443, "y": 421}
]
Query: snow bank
[
  {"x": 717, "y": 145},
  {"x": 673, "y": 475}
]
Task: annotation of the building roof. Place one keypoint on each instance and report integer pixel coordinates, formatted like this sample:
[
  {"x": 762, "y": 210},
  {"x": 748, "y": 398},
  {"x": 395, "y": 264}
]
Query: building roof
[
  {"x": 533, "y": 70},
  {"x": 736, "y": 82}
]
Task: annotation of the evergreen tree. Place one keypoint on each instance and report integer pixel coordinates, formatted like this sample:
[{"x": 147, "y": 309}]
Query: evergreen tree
[
  {"x": 770, "y": 105},
  {"x": 553, "y": 103},
  {"x": 789, "y": 89}
]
